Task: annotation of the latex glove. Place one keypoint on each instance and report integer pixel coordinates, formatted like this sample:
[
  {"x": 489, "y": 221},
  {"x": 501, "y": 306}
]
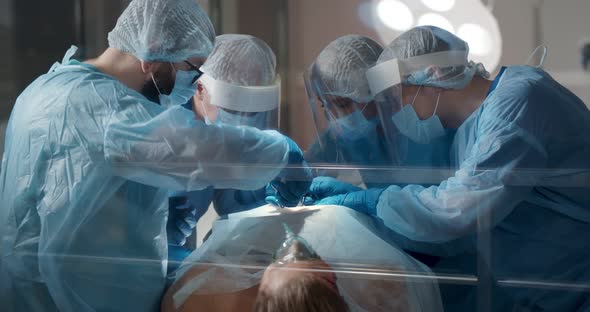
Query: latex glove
[
  {"x": 322, "y": 187},
  {"x": 176, "y": 254},
  {"x": 294, "y": 181},
  {"x": 362, "y": 201},
  {"x": 277, "y": 202},
  {"x": 181, "y": 220}
]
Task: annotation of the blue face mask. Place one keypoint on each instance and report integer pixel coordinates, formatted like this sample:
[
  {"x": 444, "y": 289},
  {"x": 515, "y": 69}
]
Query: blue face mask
[
  {"x": 417, "y": 130},
  {"x": 184, "y": 89},
  {"x": 353, "y": 127}
]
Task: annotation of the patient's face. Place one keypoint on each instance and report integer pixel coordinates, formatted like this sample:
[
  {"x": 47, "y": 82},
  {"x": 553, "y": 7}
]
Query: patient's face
[{"x": 277, "y": 275}]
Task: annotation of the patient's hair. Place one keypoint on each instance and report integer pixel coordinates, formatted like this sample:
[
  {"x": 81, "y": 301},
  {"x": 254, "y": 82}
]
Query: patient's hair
[{"x": 306, "y": 293}]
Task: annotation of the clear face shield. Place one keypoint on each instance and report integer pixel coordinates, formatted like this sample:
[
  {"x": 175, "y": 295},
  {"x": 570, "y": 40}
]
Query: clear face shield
[
  {"x": 348, "y": 133},
  {"x": 229, "y": 104},
  {"x": 413, "y": 136}
]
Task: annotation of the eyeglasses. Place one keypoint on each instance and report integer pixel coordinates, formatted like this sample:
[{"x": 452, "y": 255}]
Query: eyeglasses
[{"x": 193, "y": 67}]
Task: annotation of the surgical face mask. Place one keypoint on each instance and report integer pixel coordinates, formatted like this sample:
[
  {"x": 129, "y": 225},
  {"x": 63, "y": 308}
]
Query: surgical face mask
[
  {"x": 257, "y": 120},
  {"x": 352, "y": 127},
  {"x": 294, "y": 249},
  {"x": 417, "y": 130},
  {"x": 184, "y": 88}
]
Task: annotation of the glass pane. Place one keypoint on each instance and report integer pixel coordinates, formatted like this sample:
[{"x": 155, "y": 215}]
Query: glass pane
[{"x": 431, "y": 173}]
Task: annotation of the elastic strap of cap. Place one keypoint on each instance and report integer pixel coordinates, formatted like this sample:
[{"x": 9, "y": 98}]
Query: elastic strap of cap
[
  {"x": 440, "y": 59},
  {"x": 388, "y": 74}
]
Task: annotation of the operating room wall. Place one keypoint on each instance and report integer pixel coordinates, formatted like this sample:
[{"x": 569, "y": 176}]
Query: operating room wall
[
  {"x": 564, "y": 25},
  {"x": 7, "y": 88},
  {"x": 32, "y": 40}
]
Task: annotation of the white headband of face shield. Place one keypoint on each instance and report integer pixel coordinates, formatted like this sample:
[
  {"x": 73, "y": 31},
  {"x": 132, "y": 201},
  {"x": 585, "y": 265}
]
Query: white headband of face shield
[
  {"x": 243, "y": 98},
  {"x": 388, "y": 74}
]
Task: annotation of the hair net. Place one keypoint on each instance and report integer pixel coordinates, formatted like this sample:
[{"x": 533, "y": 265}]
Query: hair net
[
  {"x": 163, "y": 30},
  {"x": 241, "y": 60},
  {"x": 340, "y": 68},
  {"x": 426, "y": 40}
]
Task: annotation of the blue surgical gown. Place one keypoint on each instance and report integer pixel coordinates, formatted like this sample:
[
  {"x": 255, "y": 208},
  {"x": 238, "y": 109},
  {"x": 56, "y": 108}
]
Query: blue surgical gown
[
  {"x": 523, "y": 162},
  {"x": 84, "y": 180},
  {"x": 374, "y": 153},
  {"x": 225, "y": 201}
]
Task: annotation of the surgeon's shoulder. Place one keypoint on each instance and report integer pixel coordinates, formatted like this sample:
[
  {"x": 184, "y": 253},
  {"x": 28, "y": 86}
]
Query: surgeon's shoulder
[
  {"x": 520, "y": 82},
  {"x": 520, "y": 88}
]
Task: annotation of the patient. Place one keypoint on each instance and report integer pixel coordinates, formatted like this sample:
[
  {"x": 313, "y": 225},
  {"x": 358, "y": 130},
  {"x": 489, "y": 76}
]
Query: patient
[
  {"x": 328, "y": 259},
  {"x": 309, "y": 285}
]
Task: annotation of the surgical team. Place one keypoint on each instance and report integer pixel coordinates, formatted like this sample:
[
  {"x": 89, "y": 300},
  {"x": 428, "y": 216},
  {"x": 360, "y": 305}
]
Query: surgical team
[{"x": 110, "y": 162}]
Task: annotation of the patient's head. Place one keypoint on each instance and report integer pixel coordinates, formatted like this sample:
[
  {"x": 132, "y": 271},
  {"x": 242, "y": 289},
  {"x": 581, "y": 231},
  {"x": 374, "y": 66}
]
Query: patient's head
[{"x": 308, "y": 285}]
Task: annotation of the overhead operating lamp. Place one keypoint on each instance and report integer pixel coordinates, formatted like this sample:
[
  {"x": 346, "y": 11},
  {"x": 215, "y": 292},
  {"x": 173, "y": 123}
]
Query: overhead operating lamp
[{"x": 471, "y": 20}]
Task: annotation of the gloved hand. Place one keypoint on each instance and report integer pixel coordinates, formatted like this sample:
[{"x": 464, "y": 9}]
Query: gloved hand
[
  {"x": 323, "y": 187},
  {"x": 275, "y": 201},
  {"x": 294, "y": 181},
  {"x": 362, "y": 201},
  {"x": 176, "y": 254},
  {"x": 181, "y": 220}
]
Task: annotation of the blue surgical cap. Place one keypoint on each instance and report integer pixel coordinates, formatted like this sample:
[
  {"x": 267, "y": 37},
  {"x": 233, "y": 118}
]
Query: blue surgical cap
[
  {"x": 163, "y": 31},
  {"x": 427, "y": 40},
  {"x": 341, "y": 67},
  {"x": 241, "y": 60}
]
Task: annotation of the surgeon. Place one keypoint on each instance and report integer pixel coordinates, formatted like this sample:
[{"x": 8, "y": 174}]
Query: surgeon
[
  {"x": 240, "y": 87},
  {"x": 344, "y": 110},
  {"x": 521, "y": 153},
  {"x": 91, "y": 150},
  {"x": 345, "y": 113}
]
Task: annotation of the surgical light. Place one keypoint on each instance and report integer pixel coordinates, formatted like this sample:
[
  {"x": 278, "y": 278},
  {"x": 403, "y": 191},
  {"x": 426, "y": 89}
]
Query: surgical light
[
  {"x": 395, "y": 15},
  {"x": 436, "y": 20},
  {"x": 478, "y": 38},
  {"x": 439, "y": 5},
  {"x": 469, "y": 19}
]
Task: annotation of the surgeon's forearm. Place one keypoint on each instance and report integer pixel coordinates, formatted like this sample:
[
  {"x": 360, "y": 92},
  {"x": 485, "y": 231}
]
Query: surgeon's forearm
[{"x": 194, "y": 156}]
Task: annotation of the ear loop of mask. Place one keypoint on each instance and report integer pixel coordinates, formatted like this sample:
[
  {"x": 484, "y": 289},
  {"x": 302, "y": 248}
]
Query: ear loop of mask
[
  {"x": 205, "y": 115},
  {"x": 416, "y": 96},
  {"x": 154, "y": 79},
  {"x": 437, "y": 100},
  {"x": 155, "y": 84}
]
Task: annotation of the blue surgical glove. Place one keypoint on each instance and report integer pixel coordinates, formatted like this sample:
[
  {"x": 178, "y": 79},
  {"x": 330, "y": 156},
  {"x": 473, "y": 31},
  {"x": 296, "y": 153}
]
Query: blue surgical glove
[
  {"x": 323, "y": 187},
  {"x": 181, "y": 220},
  {"x": 362, "y": 201},
  {"x": 294, "y": 181},
  {"x": 176, "y": 254},
  {"x": 277, "y": 202}
]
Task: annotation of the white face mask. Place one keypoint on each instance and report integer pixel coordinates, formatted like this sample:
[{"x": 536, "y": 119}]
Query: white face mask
[
  {"x": 184, "y": 89},
  {"x": 417, "y": 130}
]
